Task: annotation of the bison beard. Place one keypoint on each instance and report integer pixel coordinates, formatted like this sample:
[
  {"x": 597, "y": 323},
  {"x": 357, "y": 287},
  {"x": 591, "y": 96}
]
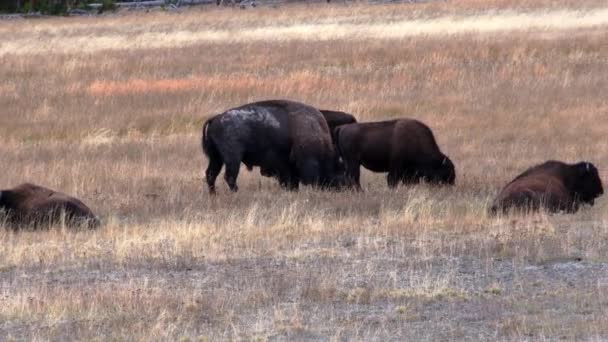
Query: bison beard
[
  {"x": 553, "y": 185},
  {"x": 287, "y": 140},
  {"x": 35, "y": 206},
  {"x": 404, "y": 148}
]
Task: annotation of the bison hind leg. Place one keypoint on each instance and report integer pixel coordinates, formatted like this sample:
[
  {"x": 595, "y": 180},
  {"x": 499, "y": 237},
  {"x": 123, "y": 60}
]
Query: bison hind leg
[
  {"x": 287, "y": 178},
  {"x": 231, "y": 174},
  {"x": 213, "y": 170},
  {"x": 232, "y": 156},
  {"x": 289, "y": 182}
]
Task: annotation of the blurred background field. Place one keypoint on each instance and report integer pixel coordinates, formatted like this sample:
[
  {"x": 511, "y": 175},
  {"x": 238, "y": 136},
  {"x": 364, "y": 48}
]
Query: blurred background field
[{"x": 110, "y": 109}]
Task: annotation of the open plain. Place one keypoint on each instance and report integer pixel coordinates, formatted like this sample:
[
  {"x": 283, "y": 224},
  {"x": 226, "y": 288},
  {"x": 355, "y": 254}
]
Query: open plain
[{"x": 110, "y": 109}]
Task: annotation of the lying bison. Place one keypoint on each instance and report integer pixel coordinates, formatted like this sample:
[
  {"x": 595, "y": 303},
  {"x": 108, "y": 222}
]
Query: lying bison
[
  {"x": 404, "y": 148},
  {"x": 553, "y": 185},
  {"x": 286, "y": 139},
  {"x": 34, "y": 206}
]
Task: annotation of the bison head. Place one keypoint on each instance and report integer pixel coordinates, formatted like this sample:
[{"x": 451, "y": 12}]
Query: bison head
[
  {"x": 268, "y": 172},
  {"x": 336, "y": 182},
  {"x": 447, "y": 171},
  {"x": 587, "y": 185},
  {"x": 442, "y": 172},
  {"x": 334, "y": 177}
]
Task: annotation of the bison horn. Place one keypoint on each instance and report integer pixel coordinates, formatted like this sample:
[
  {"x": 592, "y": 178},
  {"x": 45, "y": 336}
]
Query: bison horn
[
  {"x": 588, "y": 167},
  {"x": 445, "y": 159}
]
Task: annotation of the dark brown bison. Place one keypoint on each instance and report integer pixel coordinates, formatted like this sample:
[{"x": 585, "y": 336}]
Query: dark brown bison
[
  {"x": 34, "y": 206},
  {"x": 286, "y": 139},
  {"x": 553, "y": 185},
  {"x": 404, "y": 148},
  {"x": 336, "y": 118}
]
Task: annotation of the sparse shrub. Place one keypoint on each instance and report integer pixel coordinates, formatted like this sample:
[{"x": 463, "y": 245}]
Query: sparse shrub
[
  {"x": 107, "y": 5},
  {"x": 493, "y": 289}
]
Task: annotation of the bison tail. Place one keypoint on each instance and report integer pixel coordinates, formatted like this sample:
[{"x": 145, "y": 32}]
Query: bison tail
[{"x": 206, "y": 142}]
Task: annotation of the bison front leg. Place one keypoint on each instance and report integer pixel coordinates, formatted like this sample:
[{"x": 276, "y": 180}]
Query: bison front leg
[
  {"x": 288, "y": 179},
  {"x": 288, "y": 182},
  {"x": 293, "y": 183},
  {"x": 308, "y": 172},
  {"x": 353, "y": 174},
  {"x": 393, "y": 178}
]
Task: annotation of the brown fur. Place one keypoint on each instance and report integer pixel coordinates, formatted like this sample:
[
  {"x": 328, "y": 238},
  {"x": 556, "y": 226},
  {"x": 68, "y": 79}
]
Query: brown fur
[
  {"x": 310, "y": 152},
  {"x": 33, "y": 205},
  {"x": 553, "y": 185},
  {"x": 336, "y": 118},
  {"x": 404, "y": 148},
  {"x": 304, "y": 120}
]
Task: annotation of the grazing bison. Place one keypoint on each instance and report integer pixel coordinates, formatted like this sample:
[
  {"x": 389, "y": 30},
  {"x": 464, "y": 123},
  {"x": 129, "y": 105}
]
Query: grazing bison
[
  {"x": 404, "y": 148},
  {"x": 34, "y": 206},
  {"x": 336, "y": 118},
  {"x": 286, "y": 139},
  {"x": 553, "y": 185}
]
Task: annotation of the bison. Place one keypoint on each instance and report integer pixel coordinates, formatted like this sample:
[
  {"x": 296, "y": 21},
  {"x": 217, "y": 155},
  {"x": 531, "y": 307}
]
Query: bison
[
  {"x": 404, "y": 148},
  {"x": 286, "y": 139},
  {"x": 33, "y": 205},
  {"x": 336, "y": 118},
  {"x": 553, "y": 185}
]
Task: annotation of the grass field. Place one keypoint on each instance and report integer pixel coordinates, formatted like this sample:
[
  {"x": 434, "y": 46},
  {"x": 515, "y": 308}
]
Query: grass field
[{"x": 110, "y": 109}]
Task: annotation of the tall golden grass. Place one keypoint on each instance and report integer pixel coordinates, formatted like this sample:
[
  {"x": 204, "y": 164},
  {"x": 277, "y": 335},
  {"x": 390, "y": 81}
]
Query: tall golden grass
[{"x": 120, "y": 128}]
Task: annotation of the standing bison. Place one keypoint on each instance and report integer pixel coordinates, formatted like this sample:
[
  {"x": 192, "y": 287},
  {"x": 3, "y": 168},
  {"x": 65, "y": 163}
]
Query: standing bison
[
  {"x": 34, "y": 206},
  {"x": 336, "y": 118},
  {"x": 553, "y": 185},
  {"x": 404, "y": 148},
  {"x": 286, "y": 139}
]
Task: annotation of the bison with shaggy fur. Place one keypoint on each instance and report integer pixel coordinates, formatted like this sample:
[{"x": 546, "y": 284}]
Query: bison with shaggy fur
[
  {"x": 553, "y": 185},
  {"x": 286, "y": 139},
  {"x": 404, "y": 148},
  {"x": 30, "y": 205}
]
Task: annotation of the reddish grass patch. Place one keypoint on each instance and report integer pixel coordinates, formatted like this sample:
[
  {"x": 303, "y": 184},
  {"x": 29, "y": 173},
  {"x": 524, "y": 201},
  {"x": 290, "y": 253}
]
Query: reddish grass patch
[{"x": 300, "y": 81}]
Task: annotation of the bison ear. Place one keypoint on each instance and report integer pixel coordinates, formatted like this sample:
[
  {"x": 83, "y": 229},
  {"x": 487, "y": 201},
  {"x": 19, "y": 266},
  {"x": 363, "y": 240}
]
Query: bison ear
[{"x": 584, "y": 168}]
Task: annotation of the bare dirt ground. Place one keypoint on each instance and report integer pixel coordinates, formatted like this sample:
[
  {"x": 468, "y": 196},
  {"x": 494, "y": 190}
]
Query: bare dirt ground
[{"x": 110, "y": 109}]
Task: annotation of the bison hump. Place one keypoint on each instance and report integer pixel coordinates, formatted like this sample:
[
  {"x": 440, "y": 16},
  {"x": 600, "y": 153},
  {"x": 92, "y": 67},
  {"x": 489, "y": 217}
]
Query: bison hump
[{"x": 247, "y": 115}]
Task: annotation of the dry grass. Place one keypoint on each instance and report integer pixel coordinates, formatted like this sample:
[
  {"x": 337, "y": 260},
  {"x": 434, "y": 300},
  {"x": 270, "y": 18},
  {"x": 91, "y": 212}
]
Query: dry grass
[
  {"x": 120, "y": 128},
  {"x": 120, "y": 34}
]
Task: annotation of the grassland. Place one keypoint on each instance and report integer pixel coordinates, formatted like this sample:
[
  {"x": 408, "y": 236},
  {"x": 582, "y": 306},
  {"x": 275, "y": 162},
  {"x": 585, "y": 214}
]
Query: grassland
[{"x": 110, "y": 109}]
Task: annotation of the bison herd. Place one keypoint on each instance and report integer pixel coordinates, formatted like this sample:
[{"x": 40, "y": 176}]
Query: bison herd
[{"x": 298, "y": 144}]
